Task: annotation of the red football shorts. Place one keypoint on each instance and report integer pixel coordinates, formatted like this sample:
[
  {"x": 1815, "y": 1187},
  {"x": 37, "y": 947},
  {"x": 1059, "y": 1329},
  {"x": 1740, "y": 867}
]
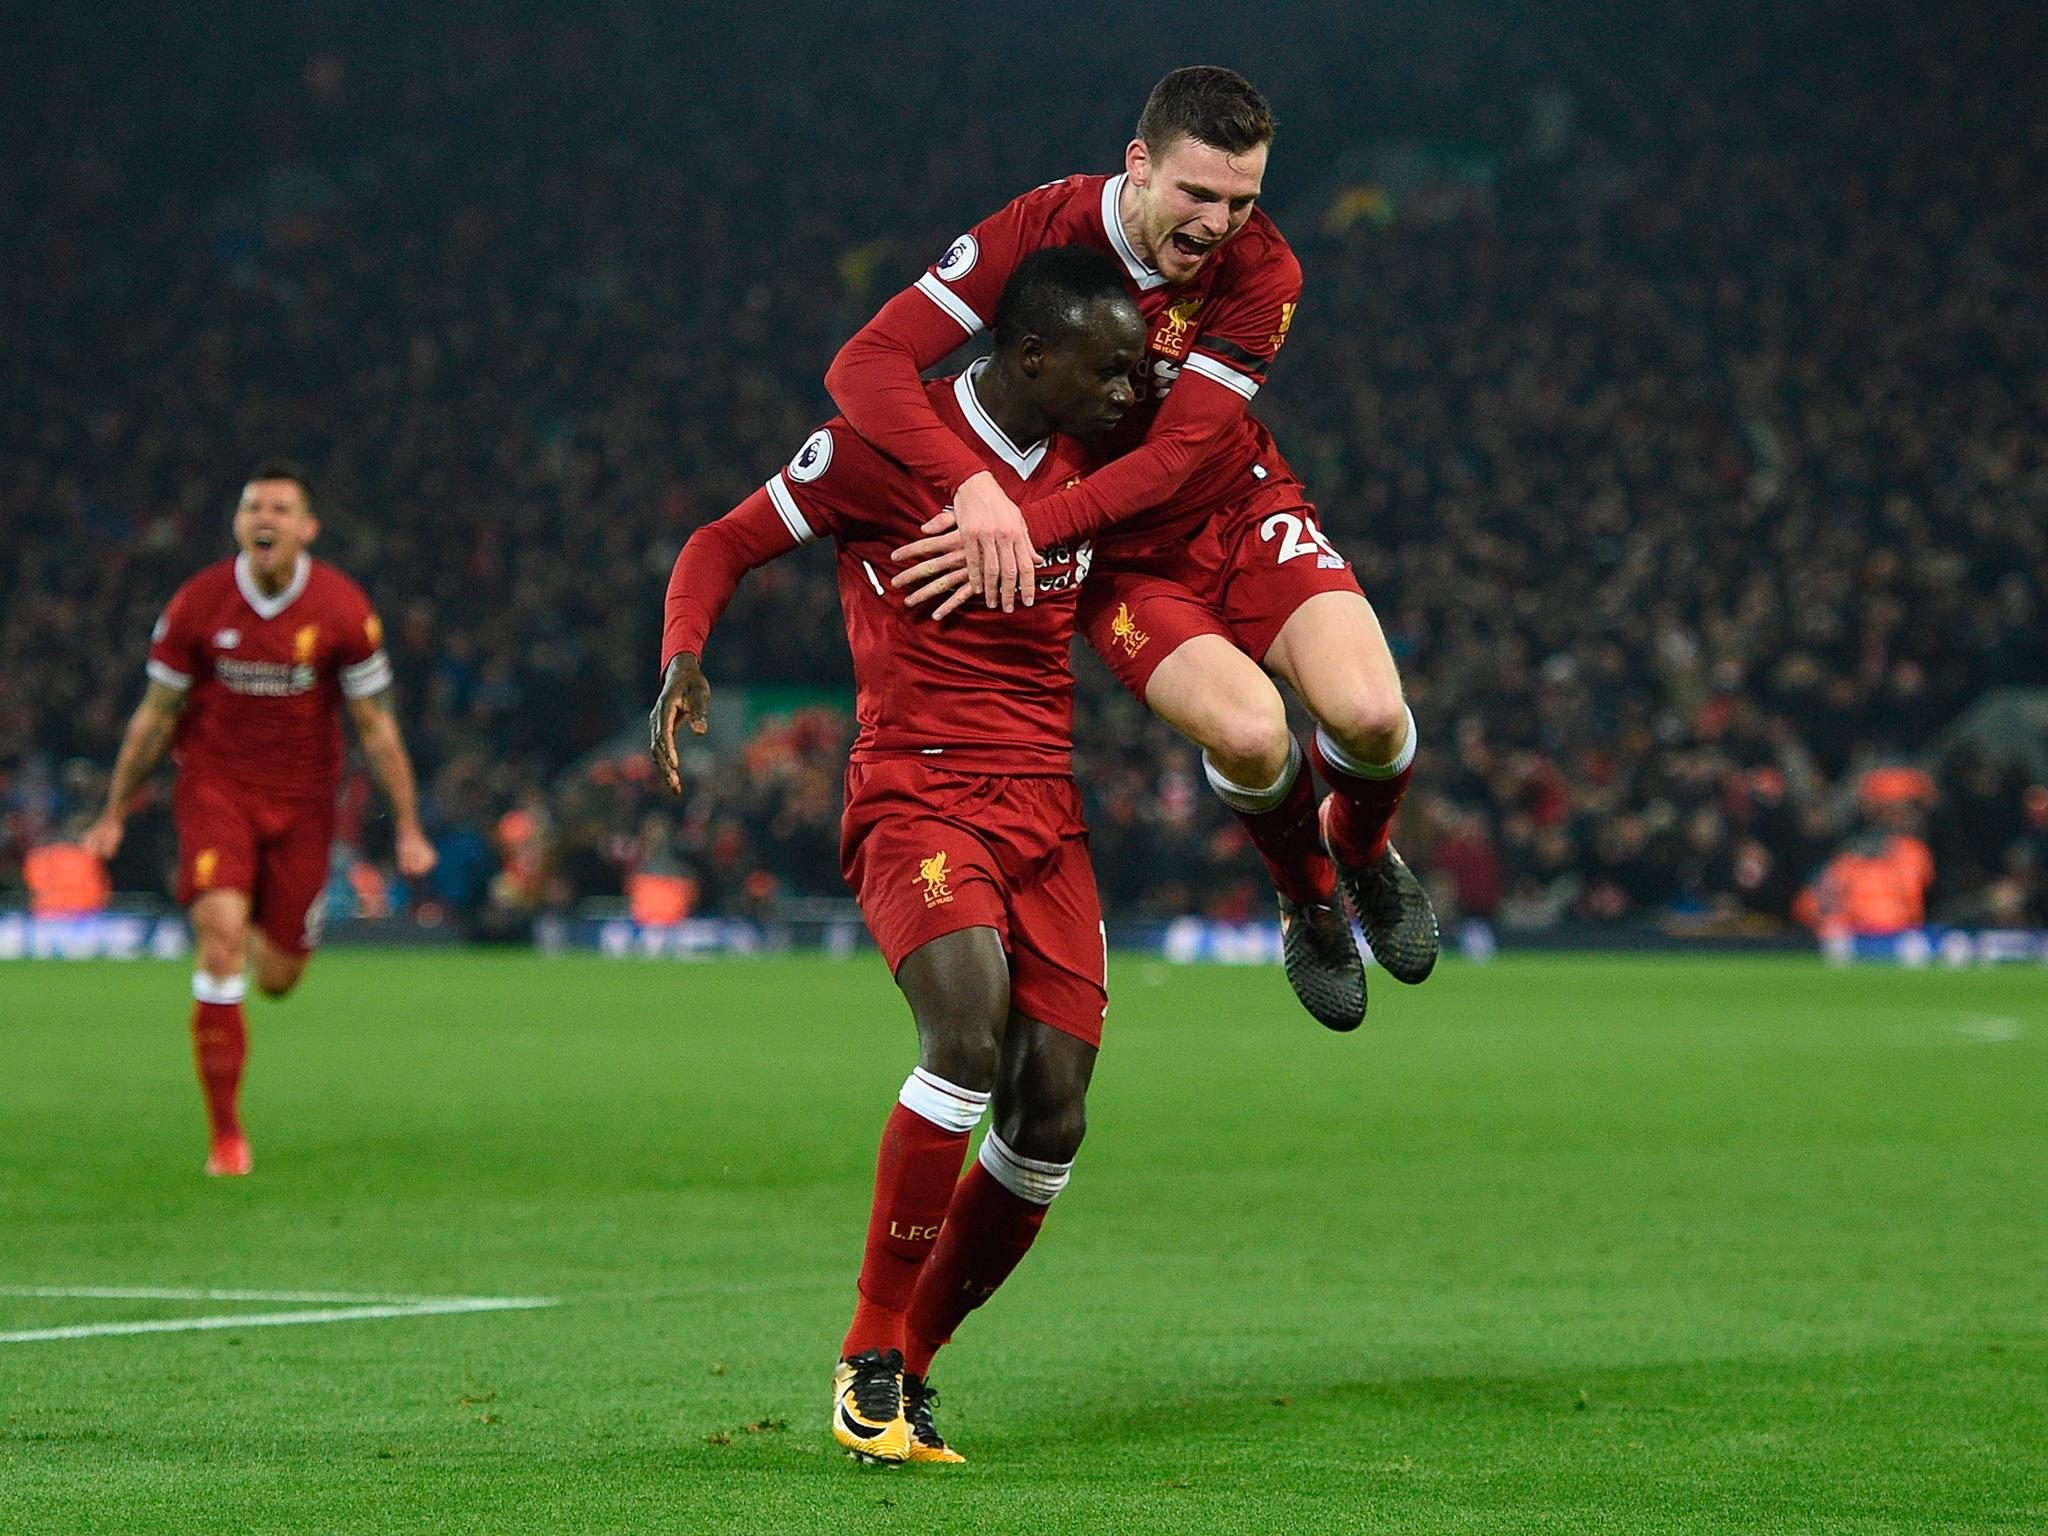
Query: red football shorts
[
  {"x": 273, "y": 851},
  {"x": 1259, "y": 558},
  {"x": 929, "y": 851}
]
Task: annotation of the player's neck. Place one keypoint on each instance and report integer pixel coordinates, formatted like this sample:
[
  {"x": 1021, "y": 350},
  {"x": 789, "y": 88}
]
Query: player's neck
[
  {"x": 1002, "y": 396},
  {"x": 1134, "y": 228},
  {"x": 271, "y": 582}
]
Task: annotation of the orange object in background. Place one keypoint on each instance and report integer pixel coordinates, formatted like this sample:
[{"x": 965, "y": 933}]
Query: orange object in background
[
  {"x": 1883, "y": 787},
  {"x": 1870, "y": 888},
  {"x": 660, "y": 899},
  {"x": 64, "y": 879}
]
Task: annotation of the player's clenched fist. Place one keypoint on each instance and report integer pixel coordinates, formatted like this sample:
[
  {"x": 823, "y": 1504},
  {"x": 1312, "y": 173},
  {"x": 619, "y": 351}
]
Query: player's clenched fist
[
  {"x": 685, "y": 696},
  {"x": 416, "y": 854},
  {"x": 103, "y": 838}
]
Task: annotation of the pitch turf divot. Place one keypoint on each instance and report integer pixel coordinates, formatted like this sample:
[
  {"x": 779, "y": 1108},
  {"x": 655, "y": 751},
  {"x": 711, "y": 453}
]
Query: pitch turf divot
[{"x": 332, "y": 1307}]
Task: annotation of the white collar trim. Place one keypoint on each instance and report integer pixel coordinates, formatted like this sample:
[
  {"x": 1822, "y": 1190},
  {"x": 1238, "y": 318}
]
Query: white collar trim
[
  {"x": 266, "y": 606},
  {"x": 1023, "y": 460},
  {"x": 1113, "y": 226}
]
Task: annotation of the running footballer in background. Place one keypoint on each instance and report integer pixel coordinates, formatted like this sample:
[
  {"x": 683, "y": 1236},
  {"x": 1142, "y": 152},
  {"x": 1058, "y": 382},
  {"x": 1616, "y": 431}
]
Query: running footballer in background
[
  {"x": 249, "y": 670},
  {"x": 962, "y": 836},
  {"x": 1198, "y": 500}
]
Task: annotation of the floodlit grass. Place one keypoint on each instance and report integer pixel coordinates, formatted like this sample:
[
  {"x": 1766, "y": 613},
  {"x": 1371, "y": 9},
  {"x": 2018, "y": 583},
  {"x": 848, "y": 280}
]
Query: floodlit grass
[{"x": 1569, "y": 1245}]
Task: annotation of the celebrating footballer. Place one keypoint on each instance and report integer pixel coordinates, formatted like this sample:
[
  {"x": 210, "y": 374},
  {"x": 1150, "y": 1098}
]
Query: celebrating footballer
[{"x": 249, "y": 670}]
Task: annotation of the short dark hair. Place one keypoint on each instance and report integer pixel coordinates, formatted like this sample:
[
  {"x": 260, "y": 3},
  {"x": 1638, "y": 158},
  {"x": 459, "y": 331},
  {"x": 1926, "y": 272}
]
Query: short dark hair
[
  {"x": 1052, "y": 291},
  {"x": 1208, "y": 103},
  {"x": 283, "y": 469}
]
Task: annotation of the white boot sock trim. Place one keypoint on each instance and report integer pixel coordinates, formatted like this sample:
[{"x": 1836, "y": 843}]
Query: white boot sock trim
[
  {"x": 947, "y": 1105},
  {"x": 1337, "y": 757},
  {"x": 1028, "y": 1178},
  {"x": 214, "y": 989},
  {"x": 1240, "y": 797}
]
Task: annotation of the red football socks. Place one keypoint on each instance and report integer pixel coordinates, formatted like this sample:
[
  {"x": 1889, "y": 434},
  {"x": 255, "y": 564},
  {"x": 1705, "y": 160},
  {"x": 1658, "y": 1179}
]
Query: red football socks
[
  {"x": 220, "y": 1042},
  {"x": 1288, "y": 839},
  {"x": 988, "y": 1231},
  {"x": 1281, "y": 822},
  {"x": 914, "y": 1179},
  {"x": 1360, "y": 817}
]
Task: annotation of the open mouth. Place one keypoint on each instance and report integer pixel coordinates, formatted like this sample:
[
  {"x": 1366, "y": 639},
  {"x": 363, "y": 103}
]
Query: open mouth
[
  {"x": 263, "y": 538},
  {"x": 1190, "y": 247}
]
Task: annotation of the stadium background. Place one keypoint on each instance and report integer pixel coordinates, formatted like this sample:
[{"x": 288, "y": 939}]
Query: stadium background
[{"x": 1676, "y": 384}]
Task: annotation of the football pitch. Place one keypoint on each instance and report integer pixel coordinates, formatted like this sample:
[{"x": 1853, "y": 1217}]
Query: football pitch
[{"x": 1571, "y": 1245}]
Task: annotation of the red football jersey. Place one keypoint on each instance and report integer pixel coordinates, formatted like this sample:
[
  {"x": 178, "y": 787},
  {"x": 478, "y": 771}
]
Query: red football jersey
[
  {"x": 984, "y": 691},
  {"x": 1225, "y": 326},
  {"x": 264, "y": 676}
]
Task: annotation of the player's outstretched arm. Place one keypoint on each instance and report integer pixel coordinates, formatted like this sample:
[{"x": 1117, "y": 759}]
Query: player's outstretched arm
[
  {"x": 143, "y": 745},
  {"x": 875, "y": 381},
  {"x": 707, "y": 573},
  {"x": 377, "y": 729},
  {"x": 685, "y": 698}
]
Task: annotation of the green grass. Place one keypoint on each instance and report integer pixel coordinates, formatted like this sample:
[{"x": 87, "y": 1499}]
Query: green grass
[{"x": 1571, "y": 1245}]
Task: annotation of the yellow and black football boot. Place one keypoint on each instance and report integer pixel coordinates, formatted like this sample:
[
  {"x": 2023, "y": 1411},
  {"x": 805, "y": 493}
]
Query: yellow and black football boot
[
  {"x": 867, "y": 1407},
  {"x": 919, "y": 1398}
]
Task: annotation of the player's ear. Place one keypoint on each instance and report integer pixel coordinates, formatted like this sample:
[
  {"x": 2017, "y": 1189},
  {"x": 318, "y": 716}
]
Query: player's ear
[
  {"x": 1031, "y": 356},
  {"x": 1138, "y": 161},
  {"x": 312, "y": 527}
]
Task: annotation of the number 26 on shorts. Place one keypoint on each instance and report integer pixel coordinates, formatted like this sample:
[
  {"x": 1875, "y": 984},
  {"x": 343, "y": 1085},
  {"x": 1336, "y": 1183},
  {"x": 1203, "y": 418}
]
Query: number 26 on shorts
[{"x": 1298, "y": 536}]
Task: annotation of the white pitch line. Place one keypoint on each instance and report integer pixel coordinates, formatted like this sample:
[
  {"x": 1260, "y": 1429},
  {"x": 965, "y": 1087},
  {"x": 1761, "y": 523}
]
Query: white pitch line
[
  {"x": 190, "y": 1293},
  {"x": 425, "y": 1306}
]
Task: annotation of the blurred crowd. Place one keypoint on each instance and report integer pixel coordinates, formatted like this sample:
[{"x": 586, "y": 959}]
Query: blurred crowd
[{"x": 1679, "y": 395}]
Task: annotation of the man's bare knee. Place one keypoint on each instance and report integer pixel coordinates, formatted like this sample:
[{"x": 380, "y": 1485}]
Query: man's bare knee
[
  {"x": 276, "y": 971},
  {"x": 278, "y": 983},
  {"x": 958, "y": 988},
  {"x": 1249, "y": 743},
  {"x": 221, "y": 940},
  {"x": 1052, "y": 1134},
  {"x": 1370, "y": 724}
]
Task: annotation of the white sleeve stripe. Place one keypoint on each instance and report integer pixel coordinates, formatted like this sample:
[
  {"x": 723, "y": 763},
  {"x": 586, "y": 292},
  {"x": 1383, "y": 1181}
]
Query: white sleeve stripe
[
  {"x": 1220, "y": 373},
  {"x": 370, "y": 675},
  {"x": 947, "y": 300},
  {"x": 170, "y": 677},
  {"x": 791, "y": 514}
]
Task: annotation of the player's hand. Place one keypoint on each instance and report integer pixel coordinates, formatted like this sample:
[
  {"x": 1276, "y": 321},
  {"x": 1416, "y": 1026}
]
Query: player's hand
[
  {"x": 1001, "y": 564},
  {"x": 416, "y": 855},
  {"x": 940, "y": 568},
  {"x": 103, "y": 838},
  {"x": 685, "y": 696}
]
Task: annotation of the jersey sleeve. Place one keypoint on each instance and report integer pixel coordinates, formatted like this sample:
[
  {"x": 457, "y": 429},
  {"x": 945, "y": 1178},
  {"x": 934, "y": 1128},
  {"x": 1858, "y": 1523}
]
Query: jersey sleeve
[
  {"x": 965, "y": 282},
  {"x": 176, "y": 644},
  {"x": 364, "y": 665},
  {"x": 874, "y": 379},
  {"x": 1249, "y": 323},
  {"x": 802, "y": 500},
  {"x": 1196, "y": 415}
]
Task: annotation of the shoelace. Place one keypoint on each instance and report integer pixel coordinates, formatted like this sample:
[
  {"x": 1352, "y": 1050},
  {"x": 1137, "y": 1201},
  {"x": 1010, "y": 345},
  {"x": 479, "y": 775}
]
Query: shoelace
[
  {"x": 1324, "y": 923},
  {"x": 874, "y": 1392},
  {"x": 1382, "y": 892},
  {"x": 918, "y": 1403}
]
